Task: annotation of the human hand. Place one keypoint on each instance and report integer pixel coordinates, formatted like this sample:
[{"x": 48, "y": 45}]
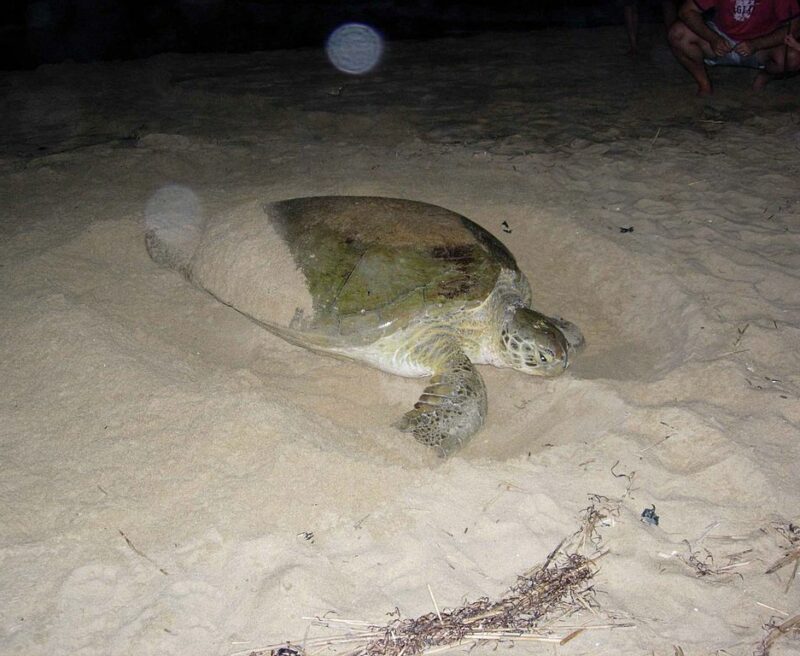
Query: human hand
[
  {"x": 744, "y": 48},
  {"x": 720, "y": 46},
  {"x": 792, "y": 42}
]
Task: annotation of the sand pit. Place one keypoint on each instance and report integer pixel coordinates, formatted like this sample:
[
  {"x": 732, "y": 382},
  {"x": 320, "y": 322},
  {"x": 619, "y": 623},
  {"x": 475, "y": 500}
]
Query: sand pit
[{"x": 174, "y": 480}]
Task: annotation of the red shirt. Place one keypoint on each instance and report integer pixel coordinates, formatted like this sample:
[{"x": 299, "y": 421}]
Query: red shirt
[{"x": 743, "y": 20}]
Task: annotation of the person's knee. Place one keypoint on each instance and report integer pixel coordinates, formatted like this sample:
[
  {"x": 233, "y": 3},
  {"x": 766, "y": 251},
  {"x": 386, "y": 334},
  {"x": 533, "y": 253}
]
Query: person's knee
[
  {"x": 677, "y": 35},
  {"x": 780, "y": 60},
  {"x": 793, "y": 60}
]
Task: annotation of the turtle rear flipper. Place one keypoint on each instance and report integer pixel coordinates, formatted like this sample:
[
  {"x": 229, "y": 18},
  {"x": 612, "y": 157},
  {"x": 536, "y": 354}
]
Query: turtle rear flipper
[{"x": 451, "y": 409}]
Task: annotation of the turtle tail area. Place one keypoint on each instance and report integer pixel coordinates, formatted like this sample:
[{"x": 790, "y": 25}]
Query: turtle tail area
[{"x": 174, "y": 225}]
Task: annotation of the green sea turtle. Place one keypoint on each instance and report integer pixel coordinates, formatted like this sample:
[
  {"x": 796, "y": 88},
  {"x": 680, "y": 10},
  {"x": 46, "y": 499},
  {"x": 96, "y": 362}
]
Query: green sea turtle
[{"x": 404, "y": 286}]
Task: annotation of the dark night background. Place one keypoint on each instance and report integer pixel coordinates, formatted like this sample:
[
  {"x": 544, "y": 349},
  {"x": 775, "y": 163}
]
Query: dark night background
[{"x": 48, "y": 31}]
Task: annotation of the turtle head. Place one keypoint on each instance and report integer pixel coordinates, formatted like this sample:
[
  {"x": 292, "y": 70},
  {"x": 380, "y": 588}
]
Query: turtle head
[{"x": 533, "y": 344}]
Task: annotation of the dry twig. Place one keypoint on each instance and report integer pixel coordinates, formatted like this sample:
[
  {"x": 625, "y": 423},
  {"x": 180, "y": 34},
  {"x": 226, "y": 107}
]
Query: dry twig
[
  {"x": 775, "y": 632},
  {"x": 791, "y": 533},
  {"x": 558, "y": 588},
  {"x": 707, "y": 567},
  {"x": 141, "y": 553}
]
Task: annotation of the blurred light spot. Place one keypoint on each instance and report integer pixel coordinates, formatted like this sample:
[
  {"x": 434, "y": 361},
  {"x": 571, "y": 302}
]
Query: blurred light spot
[
  {"x": 174, "y": 212},
  {"x": 354, "y": 48}
]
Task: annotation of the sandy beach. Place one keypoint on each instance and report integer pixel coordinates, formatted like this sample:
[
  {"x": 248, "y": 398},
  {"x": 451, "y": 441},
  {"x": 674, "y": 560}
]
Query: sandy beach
[{"x": 175, "y": 480}]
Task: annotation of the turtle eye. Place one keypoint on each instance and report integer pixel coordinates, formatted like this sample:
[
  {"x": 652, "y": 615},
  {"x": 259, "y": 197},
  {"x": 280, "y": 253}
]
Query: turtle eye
[{"x": 546, "y": 354}]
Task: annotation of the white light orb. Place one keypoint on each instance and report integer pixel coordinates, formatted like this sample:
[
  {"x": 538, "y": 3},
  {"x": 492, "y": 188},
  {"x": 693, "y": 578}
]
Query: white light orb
[{"x": 354, "y": 48}]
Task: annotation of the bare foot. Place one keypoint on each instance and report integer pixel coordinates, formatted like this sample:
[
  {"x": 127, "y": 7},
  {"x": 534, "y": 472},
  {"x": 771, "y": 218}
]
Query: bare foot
[{"x": 704, "y": 90}]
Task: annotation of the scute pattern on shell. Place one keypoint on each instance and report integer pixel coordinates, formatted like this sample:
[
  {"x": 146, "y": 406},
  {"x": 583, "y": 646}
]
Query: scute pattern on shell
[{"x": 370, "y": 261}]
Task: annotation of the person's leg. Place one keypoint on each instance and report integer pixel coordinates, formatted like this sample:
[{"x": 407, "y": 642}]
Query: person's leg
[
  {"x": 631, "y": 12},
  {"x": 690, "y": 50},
  {"x": 777, "y": 60}
]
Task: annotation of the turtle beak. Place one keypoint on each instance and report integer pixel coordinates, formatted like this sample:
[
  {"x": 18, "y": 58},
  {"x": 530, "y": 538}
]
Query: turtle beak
[{"x": 558, "y": 350}]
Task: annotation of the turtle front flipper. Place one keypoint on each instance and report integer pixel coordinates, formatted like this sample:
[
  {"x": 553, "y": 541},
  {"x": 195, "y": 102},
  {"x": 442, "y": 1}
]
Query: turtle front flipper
[{"x": 451, "y": 409}]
